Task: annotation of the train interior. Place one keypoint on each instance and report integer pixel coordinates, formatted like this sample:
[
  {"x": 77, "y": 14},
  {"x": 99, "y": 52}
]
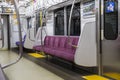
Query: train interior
[{"x": 59, "y": 40}]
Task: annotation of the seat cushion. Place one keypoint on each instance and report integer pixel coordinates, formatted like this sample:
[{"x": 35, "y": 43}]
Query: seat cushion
[
  {"x": 58, "y": 46},
  {"x": 49, "y": 50},
  {"x": 38, "y": 48},
  {"x": 18, "y": 43},
  {"x": 65, "y": 54}
]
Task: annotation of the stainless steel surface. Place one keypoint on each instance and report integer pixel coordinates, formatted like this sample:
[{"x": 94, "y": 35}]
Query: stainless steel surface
[
  {"x": 2, "y": 32},
  {"x": 20, "y": 37},
  {"x": 42, "y": 13},
  {"x": 65, "y": 21},
  {"x": 98, "y": 36},
  {"x": 69, "y": 24},
  {"x": 111, "y": 51},
  {"x": 59, "y": 5},
  {"x": 4, "y": 43}
]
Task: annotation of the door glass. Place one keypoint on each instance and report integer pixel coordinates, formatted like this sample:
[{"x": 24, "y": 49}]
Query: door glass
[{"x": 111, "y": 19}]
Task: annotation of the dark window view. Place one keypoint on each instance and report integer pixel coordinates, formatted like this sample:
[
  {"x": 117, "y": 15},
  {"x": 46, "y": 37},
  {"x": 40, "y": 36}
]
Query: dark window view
[
  {"x": 29, "y": 23},
  {"x": 111, "y": 19},
  {"x": 37, "y": 20},
  {"x": 59, "y": 22},
  {"x": 75, "y": 21}
]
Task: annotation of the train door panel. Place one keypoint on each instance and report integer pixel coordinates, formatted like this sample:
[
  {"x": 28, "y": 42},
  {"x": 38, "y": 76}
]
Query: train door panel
[
  {"x": 31, "y": 28},
  {"x": 111, "y": 42},
  {"x": 1, "y": 35},
  {"x": 4, "y": 32}
]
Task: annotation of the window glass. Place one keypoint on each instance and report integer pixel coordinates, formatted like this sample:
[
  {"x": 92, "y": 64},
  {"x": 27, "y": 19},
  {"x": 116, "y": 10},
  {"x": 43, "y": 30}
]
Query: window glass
[
  {"x": 111, "y": 19},
  {"x": 37, "y": 20},
  {"x": 75, "y": 20},
  {"x": 59, "y": 22},
  {"x": 29, "y": 25}
]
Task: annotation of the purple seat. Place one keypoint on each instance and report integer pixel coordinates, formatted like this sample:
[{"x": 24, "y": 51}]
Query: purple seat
[
  {"x": 41, "y": 48},
  {"x": 38, "y": 48},
  {"x": 65, "y": 54},
  {"x": 49, "y": 50},
  {"x": 48, "y": 47},
  {"x": 58, "y": 46},
  {"x": 18, "y": 42}
]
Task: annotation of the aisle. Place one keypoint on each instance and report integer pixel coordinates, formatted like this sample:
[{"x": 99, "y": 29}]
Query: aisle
[{"x": 25, "y": 69}]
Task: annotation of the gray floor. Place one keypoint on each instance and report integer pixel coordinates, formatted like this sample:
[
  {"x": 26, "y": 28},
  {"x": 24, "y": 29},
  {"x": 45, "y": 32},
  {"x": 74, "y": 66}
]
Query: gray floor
[{"x": 25, "y": 69}]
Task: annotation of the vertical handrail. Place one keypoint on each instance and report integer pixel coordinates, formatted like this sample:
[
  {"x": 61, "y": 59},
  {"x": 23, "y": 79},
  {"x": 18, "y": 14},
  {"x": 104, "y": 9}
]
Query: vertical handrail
[
  {"x": 20, "y": 37},
  {"x": 41, "y": 22},
  {"x": 98, "y": 35},
  {"x": 69, "y": 25},
  {"x": 41, "y": 25}
]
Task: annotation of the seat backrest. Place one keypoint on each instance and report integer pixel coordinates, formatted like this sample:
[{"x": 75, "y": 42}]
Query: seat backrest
[
  {"x": 56, "y": 42},
  {"x": 62, "y": 42},
  {"x": 69, "y": 42},
  {"x": 46, "y": 41},
  {"x": 51, "y": 41}
]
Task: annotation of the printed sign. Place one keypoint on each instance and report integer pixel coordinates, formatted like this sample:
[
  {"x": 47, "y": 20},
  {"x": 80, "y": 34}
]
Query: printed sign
[
  {"x": 110, "y": 7},
  {"x": 88, "y": 9}
]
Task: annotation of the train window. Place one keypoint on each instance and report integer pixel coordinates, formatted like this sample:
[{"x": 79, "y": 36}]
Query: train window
[
  {"x": 37, "y": 20},
  {"x": 111, "y": 19},
  {"x": 0, "y": 33},
  {"x": 75, "y": 21},
  {"x": 59, "y": 22},
  {"x": 29, "y": 25}
]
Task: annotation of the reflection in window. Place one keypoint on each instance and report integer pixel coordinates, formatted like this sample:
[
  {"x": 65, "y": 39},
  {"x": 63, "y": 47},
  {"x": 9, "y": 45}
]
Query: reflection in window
[
  {"x": 75, "y": 21},
  {"x": 111, "y": 20},
  {"x": 29, "y": 25},
  {"x": 59, "y": 22},
  {"x": 37, "y": 20}
]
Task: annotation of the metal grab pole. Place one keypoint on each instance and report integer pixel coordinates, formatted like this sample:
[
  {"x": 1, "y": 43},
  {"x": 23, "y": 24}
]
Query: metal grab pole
[
  {"x": 69, "y": 25},
  {"x": 20, "y": 38},
  {"x": 41, "y": 21},
  {"x": 99, "y": 12}
]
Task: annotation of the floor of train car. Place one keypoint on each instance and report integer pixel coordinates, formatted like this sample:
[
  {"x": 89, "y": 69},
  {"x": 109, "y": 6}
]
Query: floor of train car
[{"x": 30, "y": 68}]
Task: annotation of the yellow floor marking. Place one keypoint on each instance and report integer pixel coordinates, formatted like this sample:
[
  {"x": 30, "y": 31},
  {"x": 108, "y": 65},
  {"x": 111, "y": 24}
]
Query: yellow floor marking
[
  {"x": 36, "y": 55},
  {"x": 94, "y": 77},
  {"x": 115, "y": 76}
]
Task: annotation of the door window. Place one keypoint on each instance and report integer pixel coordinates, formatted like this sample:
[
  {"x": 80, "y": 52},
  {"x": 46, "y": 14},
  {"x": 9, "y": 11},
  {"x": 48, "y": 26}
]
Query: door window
[{"x": 111, "y": 19}]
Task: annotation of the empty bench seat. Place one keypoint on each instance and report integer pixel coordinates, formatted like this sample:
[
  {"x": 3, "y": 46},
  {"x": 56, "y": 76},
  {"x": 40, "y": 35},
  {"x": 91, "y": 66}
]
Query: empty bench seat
[{"x": 58, "y": 46}]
